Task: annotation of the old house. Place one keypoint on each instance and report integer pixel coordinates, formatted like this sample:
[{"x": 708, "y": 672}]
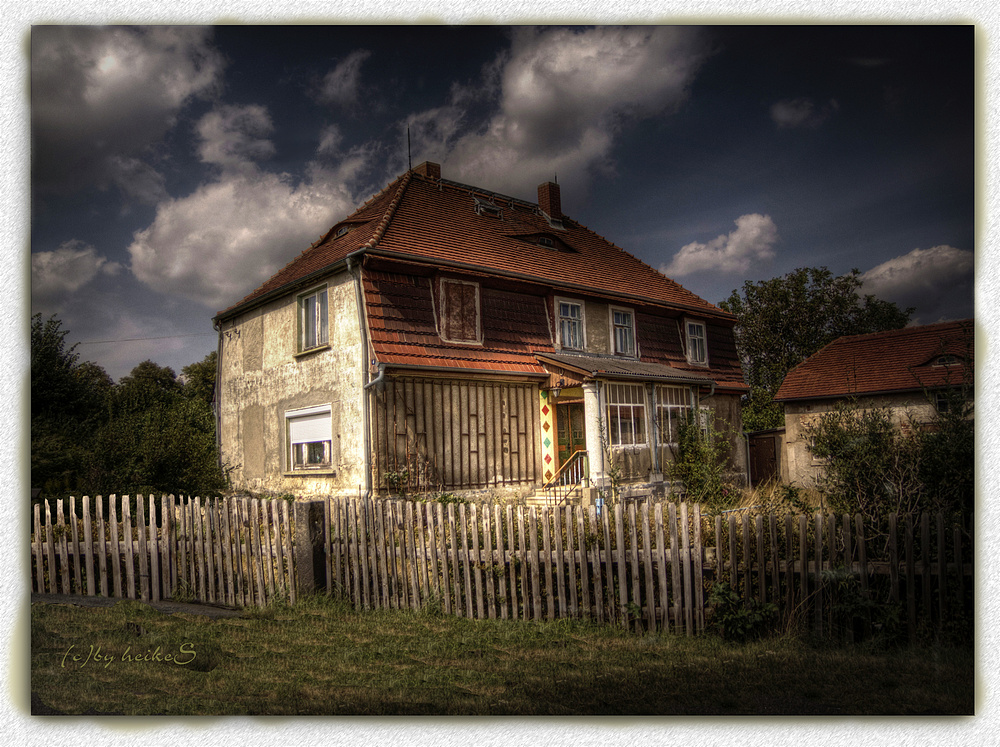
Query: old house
[
  {"x": 447, "y": 338},
  {"x": 909, "y": 370}
]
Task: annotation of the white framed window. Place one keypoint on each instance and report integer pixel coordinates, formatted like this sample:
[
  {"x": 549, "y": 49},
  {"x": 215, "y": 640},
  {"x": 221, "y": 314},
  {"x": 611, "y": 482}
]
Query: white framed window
[
  {"x": 622, "y": 331},
  {"x": 314, "y": 325},
  {"x": 697, "y": 345},
  {"x": 570, "y": 324},
  {"x": 673, "y": 408},
  {"x": 460, "y": 311},
  {"x": 309, "y": 434},
  {"x": 626, "y": 409},
  {"x": 673, "y": 403}
]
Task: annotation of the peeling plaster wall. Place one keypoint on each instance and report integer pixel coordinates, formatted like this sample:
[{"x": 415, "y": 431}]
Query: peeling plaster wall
[{"x": 262, "y": 378}]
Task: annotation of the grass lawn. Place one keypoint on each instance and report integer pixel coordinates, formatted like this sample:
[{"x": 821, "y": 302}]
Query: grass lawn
[{"x": 323, "y": 658}]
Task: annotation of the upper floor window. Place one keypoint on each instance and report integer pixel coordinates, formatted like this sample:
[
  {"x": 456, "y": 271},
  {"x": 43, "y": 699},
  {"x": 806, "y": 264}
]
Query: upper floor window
[
  {"x": 460, "y": 311},
  {"x": 570, "y": 325},
  {"x": 626, "y": 414},
  {"x": 623, "y": 331},
  {"x": 697, "y": 347},
  {"x": 314, "y": 327},
  {"x": 310, "y": 436}
]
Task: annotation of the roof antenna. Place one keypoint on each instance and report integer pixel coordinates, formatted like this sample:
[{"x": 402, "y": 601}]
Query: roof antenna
[
  {"x": 409, "y": 158},
  {"x": 556, "y": 178}
]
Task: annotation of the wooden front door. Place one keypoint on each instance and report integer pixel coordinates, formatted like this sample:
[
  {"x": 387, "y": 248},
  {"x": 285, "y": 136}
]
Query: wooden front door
[{"x": 570, "y": 429}]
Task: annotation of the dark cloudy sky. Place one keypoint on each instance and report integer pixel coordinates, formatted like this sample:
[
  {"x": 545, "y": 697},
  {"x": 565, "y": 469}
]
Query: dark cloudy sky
[{"x": 176, "y": 168}]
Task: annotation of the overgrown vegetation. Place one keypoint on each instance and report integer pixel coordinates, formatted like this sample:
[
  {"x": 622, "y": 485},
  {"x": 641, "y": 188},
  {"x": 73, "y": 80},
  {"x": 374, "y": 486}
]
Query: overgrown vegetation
[
  {"x": 875, "y": 467},
  {"x": 149, "y": 433},
  {"x": 700, "y": 460},
  {"x": 738, "y": 620},
  {"x": 782, "y": 321},
  {"x": 321, "y": 657}
]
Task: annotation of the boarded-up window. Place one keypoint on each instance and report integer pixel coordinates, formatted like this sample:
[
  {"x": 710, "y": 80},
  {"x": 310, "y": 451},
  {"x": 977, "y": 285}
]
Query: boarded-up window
[{"x": 459, "y": 311}]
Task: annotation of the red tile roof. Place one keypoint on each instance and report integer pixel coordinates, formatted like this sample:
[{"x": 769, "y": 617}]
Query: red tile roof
[
  {"x": 434, "y": 220},
  {"x": 420, "y": 221},
  {"x": 901, "y": 360}
]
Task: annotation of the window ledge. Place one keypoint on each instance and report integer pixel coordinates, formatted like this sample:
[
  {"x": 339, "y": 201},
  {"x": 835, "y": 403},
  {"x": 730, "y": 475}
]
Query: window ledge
[
  {"x": 322, "y": 472},
  {"x": 311, "y": 351}
]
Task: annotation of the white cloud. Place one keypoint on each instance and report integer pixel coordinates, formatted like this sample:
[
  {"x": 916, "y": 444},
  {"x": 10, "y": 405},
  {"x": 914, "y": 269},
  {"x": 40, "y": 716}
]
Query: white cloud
[
  {"x": 220, "y": 242},
  {"x": 562, "y": 95},
  {"x": 101, "y": 95},
  {"x": 937, "y": 282},
  {"x": 234, "y": 136},
  {"x": 64, "y": 271},
  {"x": 752, "y": 241},
  {"x": 802, "y": 112},
  {"x": 137, "y": 179},
  {"x": 340, "y": 85},
  {"x": 330, "y": 139}
]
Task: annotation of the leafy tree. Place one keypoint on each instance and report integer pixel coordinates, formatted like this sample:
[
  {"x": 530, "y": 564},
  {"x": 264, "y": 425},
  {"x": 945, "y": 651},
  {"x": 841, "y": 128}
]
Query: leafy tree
[
  {"x": 199, "y": 378},
  {"x": 158, "y": 439},
  {"x": 147, "y": 433},
  {"x": 782, "y": 321},
  {"x": 68, "y": 401}
]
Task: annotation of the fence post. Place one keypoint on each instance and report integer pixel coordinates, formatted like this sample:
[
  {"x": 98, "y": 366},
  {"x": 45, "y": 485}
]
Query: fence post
[{"x": 310, "y": 560}]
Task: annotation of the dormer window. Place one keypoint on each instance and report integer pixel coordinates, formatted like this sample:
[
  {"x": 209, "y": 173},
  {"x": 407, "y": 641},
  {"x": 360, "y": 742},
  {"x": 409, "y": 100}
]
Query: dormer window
[
  {"x": 947, "y": 360},
  {"x": 341, "y": 231},
  {"x": 487, "y": 208},
  {"x": 697, "y": 346},
  {"x": 546, "y": 241}
]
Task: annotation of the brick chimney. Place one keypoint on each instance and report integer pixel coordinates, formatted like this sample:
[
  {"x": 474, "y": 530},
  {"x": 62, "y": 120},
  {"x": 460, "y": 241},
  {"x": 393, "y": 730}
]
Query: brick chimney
[
  {"x": 429, "y": 169},
  {"x": 548, "y": 200}
]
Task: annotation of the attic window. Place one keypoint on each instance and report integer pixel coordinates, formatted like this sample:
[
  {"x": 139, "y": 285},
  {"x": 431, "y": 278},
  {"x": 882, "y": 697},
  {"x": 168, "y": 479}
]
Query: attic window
[
  {"x": 341, "y": 231},
  {"x": 546, "y": 241},
  {"x": 946, "y": 360},
  {"x": 487, "y": 208}
]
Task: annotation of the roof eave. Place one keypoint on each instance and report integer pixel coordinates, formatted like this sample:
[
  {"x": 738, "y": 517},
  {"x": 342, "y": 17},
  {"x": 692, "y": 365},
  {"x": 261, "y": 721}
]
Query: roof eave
[{"x": 285, "y": 289}]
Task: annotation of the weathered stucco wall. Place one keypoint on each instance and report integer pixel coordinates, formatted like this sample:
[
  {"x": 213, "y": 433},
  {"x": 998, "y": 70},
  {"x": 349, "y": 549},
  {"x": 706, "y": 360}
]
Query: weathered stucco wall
[
  {"x": 799, "y": 466},
  {"x": 262, "y": 377}
]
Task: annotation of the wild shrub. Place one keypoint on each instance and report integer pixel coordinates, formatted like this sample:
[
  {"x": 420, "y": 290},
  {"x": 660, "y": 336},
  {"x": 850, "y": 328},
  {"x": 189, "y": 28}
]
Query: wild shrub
[
  {"x": 876, "y": 467},
  {"x": 737, "y": 620},
  {"x": 699, "y": 464}
]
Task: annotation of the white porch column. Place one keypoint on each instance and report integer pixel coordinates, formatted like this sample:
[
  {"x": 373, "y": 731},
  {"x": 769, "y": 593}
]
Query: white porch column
[{"x": 593, "y": 417}]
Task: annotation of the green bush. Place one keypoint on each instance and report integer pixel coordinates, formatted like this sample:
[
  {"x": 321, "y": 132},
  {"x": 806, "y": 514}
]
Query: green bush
[
  {"x": 699, "y": 463},
  {"x": 739, "y": 621},
  {"x": 876, "y": 467}
]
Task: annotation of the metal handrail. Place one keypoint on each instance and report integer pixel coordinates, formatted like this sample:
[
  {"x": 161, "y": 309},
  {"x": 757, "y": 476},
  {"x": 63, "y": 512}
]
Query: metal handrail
[{"x": 574, "y": 473}]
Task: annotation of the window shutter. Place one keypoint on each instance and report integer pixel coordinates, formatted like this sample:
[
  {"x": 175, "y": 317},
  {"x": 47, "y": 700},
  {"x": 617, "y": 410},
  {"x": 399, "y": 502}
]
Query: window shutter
[{"x": 309, "y": 428}]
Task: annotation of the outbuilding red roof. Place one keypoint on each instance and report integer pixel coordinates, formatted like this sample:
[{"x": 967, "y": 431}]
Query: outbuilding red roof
[{"x": 909, "y": 359}]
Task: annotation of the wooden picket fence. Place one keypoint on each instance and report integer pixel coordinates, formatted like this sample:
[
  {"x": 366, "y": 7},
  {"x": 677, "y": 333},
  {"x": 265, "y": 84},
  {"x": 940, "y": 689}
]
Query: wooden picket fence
[
  {"x": 645, "y": 565},
  {"x": 232, "y": 551}
]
